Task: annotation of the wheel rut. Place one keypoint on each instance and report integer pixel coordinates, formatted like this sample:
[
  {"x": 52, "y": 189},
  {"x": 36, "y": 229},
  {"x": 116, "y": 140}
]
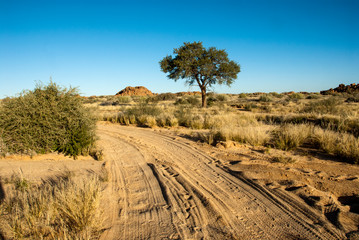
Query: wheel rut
[{"x": 168, "y": 189}]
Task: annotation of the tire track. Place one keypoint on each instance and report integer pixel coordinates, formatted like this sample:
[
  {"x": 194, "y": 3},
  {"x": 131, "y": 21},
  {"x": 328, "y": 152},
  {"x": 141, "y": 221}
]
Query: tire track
[
  {"x": 141, "y": 212},
  {"x": 208, "y": 202}
]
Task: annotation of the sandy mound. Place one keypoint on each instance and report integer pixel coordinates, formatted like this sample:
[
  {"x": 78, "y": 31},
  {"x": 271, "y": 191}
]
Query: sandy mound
[{"x": 135, "y": 91}]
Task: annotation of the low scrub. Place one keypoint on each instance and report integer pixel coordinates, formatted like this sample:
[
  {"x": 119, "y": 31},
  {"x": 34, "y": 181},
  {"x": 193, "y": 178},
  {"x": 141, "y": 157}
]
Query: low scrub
[
  {"x": 49, "y": 118},
  {"x": 296, "y": 96},
  {"x": 162, "y": 97},
  {"x": 53, "y": 210},
  {"x": 325, "y": 106},
  {"x": 330, "y": 122},
  {"x": 190, "y": 100},
  {"x": 290, "y": 136},
  {"x": 338, "y": 144},
  {"x": 117, "y": 100},
  {"x": 255, "y": 135},
  {"x": 265, "y": 98}
]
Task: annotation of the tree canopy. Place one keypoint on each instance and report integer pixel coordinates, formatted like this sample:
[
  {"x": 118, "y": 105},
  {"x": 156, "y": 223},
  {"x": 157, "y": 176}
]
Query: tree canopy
[{"x": 201, "y": 66}]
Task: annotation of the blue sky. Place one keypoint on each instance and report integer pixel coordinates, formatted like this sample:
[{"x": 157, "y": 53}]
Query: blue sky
[{"x": 103, "y": 46}]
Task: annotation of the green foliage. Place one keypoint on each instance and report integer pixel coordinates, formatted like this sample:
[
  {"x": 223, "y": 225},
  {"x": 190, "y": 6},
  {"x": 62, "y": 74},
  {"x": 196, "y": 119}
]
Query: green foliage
[
  {"x": 49, "y": 118},
  {"x": 200, "y": 66}
]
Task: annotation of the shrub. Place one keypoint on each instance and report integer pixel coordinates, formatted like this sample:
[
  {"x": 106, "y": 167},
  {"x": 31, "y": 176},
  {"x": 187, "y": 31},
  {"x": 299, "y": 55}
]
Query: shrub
[
  {"x": 353, "y": 98},
  {"x": 296, "y": 96},
  {"x": 143, "y": 109},
  {"x": 339, "y": 144},
  {"x": 172, "y": 121},
  {"x": 192, "y": 100},
  {"x": 242, "y": 95},
  {"x": 275, "y": 94},
  {"x": 163, "y": 97},
  {"x": 121, "y": 99},
  {"x": 222, "y": 97},
  {"x": 250, "y": 106},
  {"x": 265, "y": 98},
  {"x": 106, "y": 103},
  {"x": 325, "y": 106},
  {"x": 49, "y": 118},
  {"x": 313, "y": 96},
  {"x": 255, "y": 135},
  {"x": 216, "y": 98},
  {"x": 290, "y": 136}
]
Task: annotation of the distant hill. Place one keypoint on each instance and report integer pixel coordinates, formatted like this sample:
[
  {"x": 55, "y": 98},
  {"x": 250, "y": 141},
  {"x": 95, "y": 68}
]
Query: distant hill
[{"x": 135, "y": 91}]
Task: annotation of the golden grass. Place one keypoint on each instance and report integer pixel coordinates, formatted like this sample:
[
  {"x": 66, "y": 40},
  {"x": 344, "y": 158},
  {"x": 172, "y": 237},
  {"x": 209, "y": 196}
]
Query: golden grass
[
  {"x": 54, "y": 210},
  {"x": 339, "y": 144},
  {"x": 284, "y": 121},
  {"x": 291, "y": 136}
]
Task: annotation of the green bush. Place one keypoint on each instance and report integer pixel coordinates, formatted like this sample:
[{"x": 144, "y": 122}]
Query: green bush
[{"x": 49, "y": 118}]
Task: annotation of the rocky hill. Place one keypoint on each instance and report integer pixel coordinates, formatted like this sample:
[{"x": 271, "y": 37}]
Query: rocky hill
[
  {"x": 135, "y": 91},
  {"x": 342, "y": 88}
]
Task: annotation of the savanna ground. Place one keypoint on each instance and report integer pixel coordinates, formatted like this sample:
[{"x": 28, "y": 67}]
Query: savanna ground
[{"x": 250, "y": 166}]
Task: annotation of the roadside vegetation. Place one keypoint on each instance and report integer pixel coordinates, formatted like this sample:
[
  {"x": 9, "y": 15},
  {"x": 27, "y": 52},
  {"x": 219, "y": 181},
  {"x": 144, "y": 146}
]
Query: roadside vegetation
[
  {"x": 62, "y": 208},
  {"x": 47, "y": 119},
  {"x": 321, "y": 124}
]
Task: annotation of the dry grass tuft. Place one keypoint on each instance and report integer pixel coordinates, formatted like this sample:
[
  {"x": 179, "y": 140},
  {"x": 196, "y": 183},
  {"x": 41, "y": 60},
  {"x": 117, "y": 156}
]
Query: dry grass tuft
[
  {"x": 61, "y": 210},
  {"x": 291, "y": 136},
  {"x": 339, "y": 144}
]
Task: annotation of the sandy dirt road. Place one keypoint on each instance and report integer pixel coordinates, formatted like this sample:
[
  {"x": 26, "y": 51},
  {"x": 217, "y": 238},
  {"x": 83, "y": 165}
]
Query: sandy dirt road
[{"x": 161, "y": 187}]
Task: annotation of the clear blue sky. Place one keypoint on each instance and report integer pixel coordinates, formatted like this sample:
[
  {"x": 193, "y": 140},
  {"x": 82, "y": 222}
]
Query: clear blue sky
[{"x": 103, "y": 46}]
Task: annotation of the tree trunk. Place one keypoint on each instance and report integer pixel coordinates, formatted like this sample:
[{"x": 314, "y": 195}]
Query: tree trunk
[{"x": 204, "y": 96}]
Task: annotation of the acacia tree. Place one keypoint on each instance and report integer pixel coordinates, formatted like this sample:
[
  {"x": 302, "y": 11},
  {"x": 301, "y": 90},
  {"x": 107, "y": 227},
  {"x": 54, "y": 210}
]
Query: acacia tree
[{"x": 197, "y": 64}]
